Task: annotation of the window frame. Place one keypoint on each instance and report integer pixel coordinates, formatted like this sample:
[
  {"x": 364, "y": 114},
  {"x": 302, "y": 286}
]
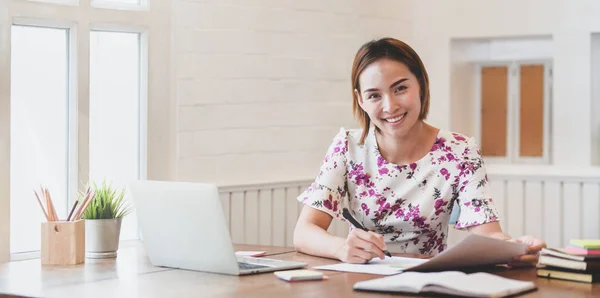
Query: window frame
[{"x": 513, "y": 107}]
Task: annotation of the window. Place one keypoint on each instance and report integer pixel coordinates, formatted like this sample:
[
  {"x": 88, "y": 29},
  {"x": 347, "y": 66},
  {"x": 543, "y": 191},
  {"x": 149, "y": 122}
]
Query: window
[
  {"x": 115, "y": 144},
  {"x": 513, "y": 114},
  {"x": 39, "y": 128},
  {"x": 76, "y": 100}
]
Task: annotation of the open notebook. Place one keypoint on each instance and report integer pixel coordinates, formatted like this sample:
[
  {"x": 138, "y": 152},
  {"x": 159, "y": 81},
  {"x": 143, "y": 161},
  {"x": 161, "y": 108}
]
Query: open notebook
[{"x": 479, "y": 284}]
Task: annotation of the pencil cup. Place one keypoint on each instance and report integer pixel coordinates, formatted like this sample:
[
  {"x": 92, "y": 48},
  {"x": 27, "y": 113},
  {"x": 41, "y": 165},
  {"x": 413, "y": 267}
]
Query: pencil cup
[{"x": 63, "y": 242}]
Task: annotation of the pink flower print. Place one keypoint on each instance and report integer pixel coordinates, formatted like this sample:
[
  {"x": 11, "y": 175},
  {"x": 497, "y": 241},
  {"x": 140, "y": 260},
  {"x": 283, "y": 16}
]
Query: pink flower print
[
  {"x": 477, "y": 204},
  {"x": 464, "y": 185},
  {"x": 386, "y": 189},
  {"x": 400, "y": 213},
  {"x": 384, "y": 207},
  {"x": 330, "y": 204},
  {"x": 419, "y": 221},
  {"x": 360, "y": 177},
  {"x": 365, "y": 208},
  {"x": 413, "y": 166},
  {"x": 381, "y": 162},
  {"x": 467, "y": 204},
  {"x": 439, "y": 203},
  {"x": 445, "y": 173},
  {"x": 438, "y": 144},
  {"x": 450, "y": 157},
  {"x": 383, "y": 171},
  {"x": 336, "y": 150},
  {"x": 458, "y": 137},
  {"x": 371, "y": 192}
]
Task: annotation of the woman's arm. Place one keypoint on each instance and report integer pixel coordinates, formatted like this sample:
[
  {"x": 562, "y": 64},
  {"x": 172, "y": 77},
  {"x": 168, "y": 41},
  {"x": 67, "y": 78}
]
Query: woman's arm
[
  {"x": 490, "y": 229},
  {"x": 311, "y": 237}
]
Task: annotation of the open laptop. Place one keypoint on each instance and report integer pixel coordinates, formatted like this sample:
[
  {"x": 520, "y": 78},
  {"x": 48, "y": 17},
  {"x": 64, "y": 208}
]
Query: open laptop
[{"x": 183, "y": 226}]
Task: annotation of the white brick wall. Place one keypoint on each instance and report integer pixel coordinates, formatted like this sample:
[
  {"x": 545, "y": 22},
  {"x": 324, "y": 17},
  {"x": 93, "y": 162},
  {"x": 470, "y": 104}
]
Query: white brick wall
[{"x": 262, "y": 86}]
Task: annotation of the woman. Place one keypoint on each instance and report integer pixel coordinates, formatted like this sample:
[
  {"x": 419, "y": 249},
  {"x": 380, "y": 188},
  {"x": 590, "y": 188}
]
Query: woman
[{"x": 398, "y": 176}]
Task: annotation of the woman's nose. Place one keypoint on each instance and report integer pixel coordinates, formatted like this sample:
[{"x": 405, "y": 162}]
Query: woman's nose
[{"x": 389, "y": 104}]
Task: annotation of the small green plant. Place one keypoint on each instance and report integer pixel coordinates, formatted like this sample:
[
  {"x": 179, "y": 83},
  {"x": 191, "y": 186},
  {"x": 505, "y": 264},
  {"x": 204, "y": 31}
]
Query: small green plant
[{"x": 108, "y": 202}]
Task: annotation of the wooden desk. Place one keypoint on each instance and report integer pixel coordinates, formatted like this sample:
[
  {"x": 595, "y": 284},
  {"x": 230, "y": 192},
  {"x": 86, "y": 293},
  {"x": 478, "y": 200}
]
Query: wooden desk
[{"x": 131, "y": 275}]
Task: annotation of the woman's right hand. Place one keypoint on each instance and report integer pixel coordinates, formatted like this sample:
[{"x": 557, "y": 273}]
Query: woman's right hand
[{"x": 361, "y": 246}]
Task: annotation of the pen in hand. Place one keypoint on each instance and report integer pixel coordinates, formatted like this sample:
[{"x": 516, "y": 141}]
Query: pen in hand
[{"x": 356, "y": 224}]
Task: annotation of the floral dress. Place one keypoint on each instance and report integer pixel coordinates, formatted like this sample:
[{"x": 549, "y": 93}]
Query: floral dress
[{"x": 410, "y": 205}]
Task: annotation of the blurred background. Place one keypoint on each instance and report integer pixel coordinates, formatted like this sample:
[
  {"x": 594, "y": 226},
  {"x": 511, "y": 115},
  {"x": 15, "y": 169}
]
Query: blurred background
[{"x": 248, "y": 94}]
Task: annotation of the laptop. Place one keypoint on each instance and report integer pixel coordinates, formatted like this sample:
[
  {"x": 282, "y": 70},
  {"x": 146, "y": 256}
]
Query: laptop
[{"x": 183, "y": 226}]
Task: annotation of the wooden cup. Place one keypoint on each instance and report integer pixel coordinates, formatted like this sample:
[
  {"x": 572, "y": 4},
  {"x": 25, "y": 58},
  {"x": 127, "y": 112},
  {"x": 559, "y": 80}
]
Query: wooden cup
[{"x": 63, "y": 242}]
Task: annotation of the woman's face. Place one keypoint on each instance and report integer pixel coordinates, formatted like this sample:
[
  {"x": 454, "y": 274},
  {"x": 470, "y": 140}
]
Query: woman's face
[{"x": 390, "y": 94}]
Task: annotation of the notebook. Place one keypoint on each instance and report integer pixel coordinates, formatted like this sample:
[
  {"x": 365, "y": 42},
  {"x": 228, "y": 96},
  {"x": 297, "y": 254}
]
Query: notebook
[
  {"x": 456, "y": 283},
  {"x": 566, "y": 254},
  {"x": 570, "y": 264},
  {"x": 574, "y": 275}
]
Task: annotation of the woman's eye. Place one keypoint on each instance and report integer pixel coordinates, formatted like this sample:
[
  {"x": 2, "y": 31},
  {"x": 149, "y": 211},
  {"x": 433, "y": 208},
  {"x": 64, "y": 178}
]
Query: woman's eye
[
  {"x": 373, "y": 96},
  {"x": 400, "y": 88}
]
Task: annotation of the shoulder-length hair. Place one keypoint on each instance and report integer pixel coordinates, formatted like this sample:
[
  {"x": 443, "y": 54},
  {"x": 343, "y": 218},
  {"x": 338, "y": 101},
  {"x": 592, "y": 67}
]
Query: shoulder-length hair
[{"x": 392, "y": 49}]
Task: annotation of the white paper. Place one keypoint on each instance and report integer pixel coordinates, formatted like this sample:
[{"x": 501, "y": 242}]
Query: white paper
[
  {"x": 388, "y": 266},
  {"x": 474, "y": 250}
]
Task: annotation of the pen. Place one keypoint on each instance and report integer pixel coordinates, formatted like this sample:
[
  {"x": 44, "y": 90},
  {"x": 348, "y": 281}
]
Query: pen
[{"x": 355, "y": 223}]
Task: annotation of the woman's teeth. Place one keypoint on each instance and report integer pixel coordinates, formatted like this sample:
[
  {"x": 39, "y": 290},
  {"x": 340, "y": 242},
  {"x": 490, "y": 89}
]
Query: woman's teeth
[{"x": 392, "y": 120}]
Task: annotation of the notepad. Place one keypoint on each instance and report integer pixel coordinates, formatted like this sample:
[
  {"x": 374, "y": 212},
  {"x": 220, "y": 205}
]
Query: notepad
[
  {"x": 479, "y": 284},
  {"x": 586, "y": 243}
]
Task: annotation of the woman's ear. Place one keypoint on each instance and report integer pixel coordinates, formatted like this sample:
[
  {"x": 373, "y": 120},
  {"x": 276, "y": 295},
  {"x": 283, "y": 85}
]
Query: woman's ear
[{"x": 358, "y": 98}]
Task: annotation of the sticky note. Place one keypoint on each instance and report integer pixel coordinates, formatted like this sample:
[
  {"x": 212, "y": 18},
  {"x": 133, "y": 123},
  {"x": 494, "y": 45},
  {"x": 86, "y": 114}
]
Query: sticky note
[{"x": 300, "y": 275}]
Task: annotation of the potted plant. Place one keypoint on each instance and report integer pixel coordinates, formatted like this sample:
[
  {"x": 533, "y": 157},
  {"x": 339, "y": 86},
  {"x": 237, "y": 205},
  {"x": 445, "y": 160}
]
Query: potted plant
[{"x": 103, "y": 219}]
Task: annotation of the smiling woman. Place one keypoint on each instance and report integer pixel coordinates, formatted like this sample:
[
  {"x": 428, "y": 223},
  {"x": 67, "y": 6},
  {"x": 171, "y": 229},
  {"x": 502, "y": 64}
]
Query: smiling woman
[{"x": 399, "y": 176}]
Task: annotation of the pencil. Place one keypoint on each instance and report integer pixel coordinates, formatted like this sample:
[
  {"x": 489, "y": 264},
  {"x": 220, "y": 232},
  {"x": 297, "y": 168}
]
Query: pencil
[
  {"x": 72, "y": 209},
  {"x": 54, "y": 214},
  {"x": 41, "y": 206},
  {"x": 80, "y": 207},
  {"x": 85, "y": 207}
]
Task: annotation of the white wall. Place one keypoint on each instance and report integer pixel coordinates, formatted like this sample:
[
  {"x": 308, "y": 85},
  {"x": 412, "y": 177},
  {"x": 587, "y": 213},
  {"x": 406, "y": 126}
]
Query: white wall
[
  {"x": 595, "y": 111},
  {"x": 262, "y": 86},
  {"x": 4, "y": 132},
  {"x": 569, "y": 23}
]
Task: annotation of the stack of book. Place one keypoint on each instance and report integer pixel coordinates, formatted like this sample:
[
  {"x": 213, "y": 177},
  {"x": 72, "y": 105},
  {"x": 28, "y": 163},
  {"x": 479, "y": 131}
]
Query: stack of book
[{"x": 579, "y": 261}]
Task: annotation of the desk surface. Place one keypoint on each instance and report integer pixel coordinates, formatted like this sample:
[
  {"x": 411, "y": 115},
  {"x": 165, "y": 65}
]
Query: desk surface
[{"x": 131, "y": 275}]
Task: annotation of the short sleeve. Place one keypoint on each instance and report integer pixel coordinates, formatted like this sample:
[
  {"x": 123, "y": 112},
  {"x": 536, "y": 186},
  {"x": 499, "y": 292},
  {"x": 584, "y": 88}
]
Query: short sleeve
[
  {"x": 474, "y": 193},
  {"x": 328, "y": 192}
]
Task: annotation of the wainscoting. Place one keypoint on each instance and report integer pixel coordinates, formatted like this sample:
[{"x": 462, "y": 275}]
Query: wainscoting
[{"x": 548, "y": 202}]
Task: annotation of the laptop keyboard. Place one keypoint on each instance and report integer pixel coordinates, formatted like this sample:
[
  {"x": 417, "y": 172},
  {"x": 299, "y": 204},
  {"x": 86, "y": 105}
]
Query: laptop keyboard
[{"x": 250, "y": 266}]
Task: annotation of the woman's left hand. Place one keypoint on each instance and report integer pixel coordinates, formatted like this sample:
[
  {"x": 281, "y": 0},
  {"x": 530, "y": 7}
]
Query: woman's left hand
[{"x": 529, "y": 259}]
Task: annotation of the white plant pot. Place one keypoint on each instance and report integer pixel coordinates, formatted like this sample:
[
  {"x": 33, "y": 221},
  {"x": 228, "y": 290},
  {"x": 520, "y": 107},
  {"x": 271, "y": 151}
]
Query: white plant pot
[{"x": 102, "y": 238}]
